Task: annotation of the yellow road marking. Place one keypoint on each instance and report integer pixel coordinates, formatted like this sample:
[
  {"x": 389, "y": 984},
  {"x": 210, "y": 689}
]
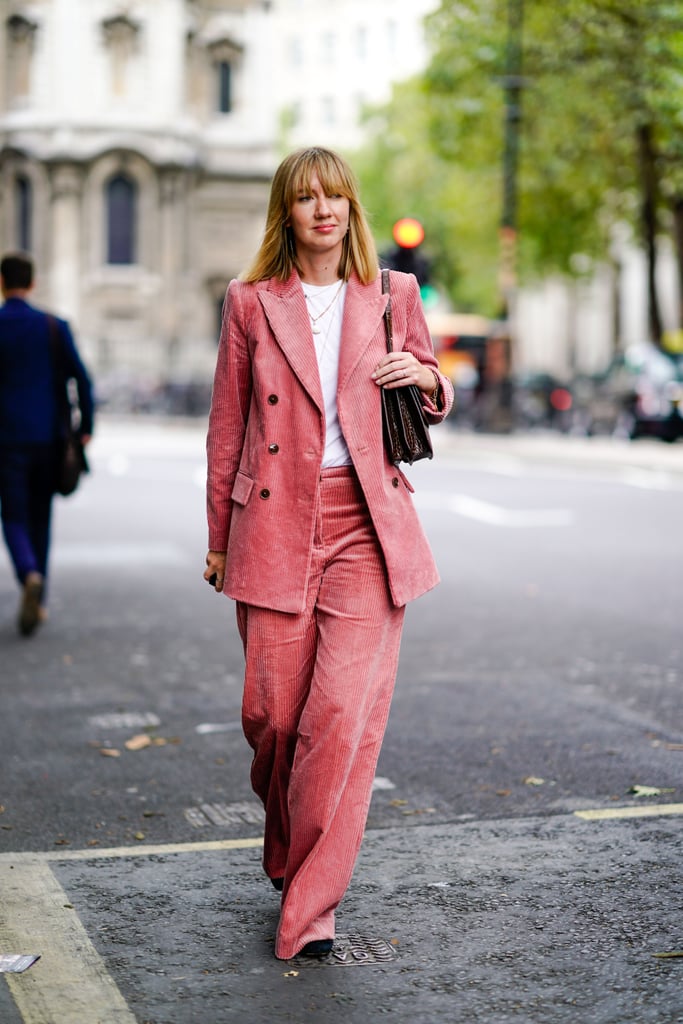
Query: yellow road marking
[
  {"x": 70, "y": 983},
  {"x": 646, "y": 811},
  {"x": 97, "y": 853}
]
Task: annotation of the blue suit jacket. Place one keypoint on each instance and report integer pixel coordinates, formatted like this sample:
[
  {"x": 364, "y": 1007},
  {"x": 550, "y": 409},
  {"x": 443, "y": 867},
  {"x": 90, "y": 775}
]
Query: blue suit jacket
[{"x": 28, "y": 393}]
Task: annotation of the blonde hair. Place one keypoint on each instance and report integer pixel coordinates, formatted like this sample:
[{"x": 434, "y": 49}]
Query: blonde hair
[{"x": 276, "y": 256}]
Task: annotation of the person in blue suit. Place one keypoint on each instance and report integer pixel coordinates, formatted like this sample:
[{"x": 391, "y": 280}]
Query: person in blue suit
[{"x": 30, "y": 430}]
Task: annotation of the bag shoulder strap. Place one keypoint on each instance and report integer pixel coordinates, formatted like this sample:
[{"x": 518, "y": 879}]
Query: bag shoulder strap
[
  {"x": 386, "y": 290},
  {"x": 57, "y": 356}
]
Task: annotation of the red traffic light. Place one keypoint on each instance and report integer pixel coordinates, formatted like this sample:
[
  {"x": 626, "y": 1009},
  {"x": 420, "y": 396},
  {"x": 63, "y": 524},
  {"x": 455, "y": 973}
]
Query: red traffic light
[{"x": 408, "y": 232}]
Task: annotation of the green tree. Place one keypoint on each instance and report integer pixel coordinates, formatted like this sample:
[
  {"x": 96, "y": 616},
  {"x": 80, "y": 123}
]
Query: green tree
[
  {"x": 402, "y": 174},
  {"x": 601, "y": 140},
  {"x": 601, "y": 125}
]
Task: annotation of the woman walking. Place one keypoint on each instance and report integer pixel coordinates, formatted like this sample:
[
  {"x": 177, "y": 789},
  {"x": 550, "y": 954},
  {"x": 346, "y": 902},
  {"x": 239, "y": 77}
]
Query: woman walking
[{"x": 311, "y": 529}]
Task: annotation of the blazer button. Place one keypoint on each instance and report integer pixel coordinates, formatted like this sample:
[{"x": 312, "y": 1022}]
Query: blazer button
[
  {"x": 273, "y": 449},
  {"x": 273, "y": 399},
  {"x": 265, "y": 493},
  {"x": 394, "y": 481}
]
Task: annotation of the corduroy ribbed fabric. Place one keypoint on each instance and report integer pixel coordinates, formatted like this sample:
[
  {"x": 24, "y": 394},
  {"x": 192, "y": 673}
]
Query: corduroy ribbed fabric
[{"x": 318, "y": 687}]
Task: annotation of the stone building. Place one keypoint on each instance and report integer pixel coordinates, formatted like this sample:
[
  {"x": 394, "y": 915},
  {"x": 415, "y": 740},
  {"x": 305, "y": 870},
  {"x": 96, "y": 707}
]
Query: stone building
[
  {"x": 135, "y": 160},
  {"x": 344, "y": 60}
]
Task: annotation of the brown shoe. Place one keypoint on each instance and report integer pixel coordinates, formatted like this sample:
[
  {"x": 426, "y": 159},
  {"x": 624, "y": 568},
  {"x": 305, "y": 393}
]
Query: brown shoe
[{"x": 29, "y": 609}]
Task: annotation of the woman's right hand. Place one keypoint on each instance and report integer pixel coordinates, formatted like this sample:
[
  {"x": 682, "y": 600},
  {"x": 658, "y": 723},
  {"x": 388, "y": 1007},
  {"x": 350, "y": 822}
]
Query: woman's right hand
[{"x": 215, "y": 566}]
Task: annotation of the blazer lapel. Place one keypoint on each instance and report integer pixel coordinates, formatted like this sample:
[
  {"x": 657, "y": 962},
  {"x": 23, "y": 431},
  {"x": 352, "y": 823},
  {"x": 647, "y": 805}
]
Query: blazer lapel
[
  {"x": 285, "y": 308},
  {"x": 363, "y": 311}
]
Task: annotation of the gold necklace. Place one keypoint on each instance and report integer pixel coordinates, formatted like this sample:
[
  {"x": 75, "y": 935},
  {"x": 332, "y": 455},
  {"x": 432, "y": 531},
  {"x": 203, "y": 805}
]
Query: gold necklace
[{"x": 314, "y": 319}]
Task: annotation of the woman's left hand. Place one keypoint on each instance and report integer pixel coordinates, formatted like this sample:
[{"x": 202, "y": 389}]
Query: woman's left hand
[{"x": 397, "y": 369}]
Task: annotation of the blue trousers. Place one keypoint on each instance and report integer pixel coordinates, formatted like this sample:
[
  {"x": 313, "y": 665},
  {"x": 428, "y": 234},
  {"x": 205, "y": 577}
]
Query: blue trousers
[{"x": 27, "y": 476}]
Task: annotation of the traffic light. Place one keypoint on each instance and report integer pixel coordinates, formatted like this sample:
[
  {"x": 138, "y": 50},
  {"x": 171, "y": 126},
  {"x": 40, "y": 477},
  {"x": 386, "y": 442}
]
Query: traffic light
[{"x": 408, "y": 234}]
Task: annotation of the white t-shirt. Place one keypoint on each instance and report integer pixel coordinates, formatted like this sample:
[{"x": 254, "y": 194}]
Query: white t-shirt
[{"x": 325, "y": 305}]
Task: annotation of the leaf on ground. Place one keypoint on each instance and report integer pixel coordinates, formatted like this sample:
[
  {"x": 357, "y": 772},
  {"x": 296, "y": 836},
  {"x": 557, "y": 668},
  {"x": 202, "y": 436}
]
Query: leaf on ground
[
  {"x": 138, "y": 742},
  {"x": 676, "y": 953},
  {"x": 397, "y": 803},
  {"x": 533, "y": 780},
  {"x": 110, "y": 752},
  {"x": 139, "y": 836},
  {"x": 291, "y": 974},
  {"x": 649, "y": 790}
]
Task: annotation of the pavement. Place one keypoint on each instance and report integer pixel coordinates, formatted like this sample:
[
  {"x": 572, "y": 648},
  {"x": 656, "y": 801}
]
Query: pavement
[
  {"x": 548, "y": 920},
  {"x": 573, "y": 918}
]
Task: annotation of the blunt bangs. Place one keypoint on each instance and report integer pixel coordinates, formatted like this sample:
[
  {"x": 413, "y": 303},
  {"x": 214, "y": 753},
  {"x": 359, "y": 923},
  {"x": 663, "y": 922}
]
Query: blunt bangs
[{"x": 334, "y": 177}]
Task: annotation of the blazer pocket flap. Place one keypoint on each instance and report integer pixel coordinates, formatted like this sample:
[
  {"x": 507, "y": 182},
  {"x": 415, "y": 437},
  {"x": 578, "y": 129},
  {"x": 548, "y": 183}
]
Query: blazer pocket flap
[{"x": 242, "y": 488}]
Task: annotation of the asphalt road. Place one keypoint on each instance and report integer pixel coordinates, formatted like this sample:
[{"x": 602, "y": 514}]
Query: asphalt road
[{"x": 514, "y": 868}]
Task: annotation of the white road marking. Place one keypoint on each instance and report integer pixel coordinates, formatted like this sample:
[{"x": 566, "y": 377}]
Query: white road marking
[
  {"x": 225, "y": 814},
  {"x": 207, "y": 728},
  {"x": 118, "y": 465},
  {"x": 650, "y": 479},
  {"x": 125, "y": 720},
  {"x": 495, "y": 515}
]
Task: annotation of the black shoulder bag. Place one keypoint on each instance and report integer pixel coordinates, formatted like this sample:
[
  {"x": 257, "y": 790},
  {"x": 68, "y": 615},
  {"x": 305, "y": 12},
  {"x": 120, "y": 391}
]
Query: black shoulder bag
[
  {"x": 71, "y": 460},
  {"x": 405, "y": 429}
]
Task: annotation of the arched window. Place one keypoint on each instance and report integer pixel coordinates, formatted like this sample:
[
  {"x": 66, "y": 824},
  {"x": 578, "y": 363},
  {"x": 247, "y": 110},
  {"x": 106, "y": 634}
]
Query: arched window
[
  {"x": 224, "y": 75},
  {"x": 23, "y": 207},
  {"x": 226, "y": 57},
  {"x": 121, "y": 197}
]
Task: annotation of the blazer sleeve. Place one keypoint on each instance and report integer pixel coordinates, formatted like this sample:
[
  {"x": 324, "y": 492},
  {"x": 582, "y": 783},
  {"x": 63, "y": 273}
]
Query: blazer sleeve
[
  {"x": 419, "y": 342},
  {"x": 230, "y": 402},
  {"x": 75, "y": 370}
]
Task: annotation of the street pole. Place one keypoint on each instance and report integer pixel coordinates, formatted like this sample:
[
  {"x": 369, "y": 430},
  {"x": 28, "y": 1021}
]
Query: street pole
[{"x": 512, "y": 85}]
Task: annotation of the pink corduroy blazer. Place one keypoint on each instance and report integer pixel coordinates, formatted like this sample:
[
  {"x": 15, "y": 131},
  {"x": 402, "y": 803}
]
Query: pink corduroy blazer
[{"x": 267, "y": 432}]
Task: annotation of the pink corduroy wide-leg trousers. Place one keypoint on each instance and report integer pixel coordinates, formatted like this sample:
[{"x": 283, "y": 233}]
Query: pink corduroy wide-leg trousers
[{"x": 317, "y": 692}]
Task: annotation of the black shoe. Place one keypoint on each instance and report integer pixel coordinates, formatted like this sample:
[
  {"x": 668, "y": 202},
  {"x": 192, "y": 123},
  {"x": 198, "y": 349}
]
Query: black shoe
[
  {"x": 29, "y": 609},
  {"x": 319, "y": 948},
  {"x": 278, "y": 883}
]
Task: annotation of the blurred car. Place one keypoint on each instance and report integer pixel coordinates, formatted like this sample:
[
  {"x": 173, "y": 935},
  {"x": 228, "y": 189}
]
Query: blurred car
[
  {"x": 541, "y": 401},
  {"x": 639, "y": 395}
]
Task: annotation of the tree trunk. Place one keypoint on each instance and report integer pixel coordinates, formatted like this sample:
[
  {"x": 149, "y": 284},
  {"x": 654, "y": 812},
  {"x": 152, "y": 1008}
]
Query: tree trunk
[
  {"x": 678, "y": 241},
  {"x": 650, "y": 196},
  {"x": 617, "y": 274}
]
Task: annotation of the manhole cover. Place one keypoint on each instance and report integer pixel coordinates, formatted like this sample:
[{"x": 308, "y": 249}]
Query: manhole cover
[{"x": 351, "y": 951}]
